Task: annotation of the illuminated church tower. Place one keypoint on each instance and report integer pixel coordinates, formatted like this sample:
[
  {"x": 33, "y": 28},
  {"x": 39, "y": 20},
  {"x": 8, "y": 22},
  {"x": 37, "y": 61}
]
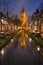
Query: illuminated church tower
[{"x": 23, "y": 16}]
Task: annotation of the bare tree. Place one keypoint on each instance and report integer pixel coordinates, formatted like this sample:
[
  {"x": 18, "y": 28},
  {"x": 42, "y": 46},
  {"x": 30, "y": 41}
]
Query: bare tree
[{"x": 6, "y": 8}]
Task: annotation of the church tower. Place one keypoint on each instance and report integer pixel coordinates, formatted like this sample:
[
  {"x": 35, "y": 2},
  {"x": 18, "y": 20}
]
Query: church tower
[{"x": 23, "y": 16}]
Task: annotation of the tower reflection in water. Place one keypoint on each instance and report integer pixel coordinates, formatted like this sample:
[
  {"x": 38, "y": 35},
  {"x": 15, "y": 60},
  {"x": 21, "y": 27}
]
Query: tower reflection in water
[{"x": 22, "y": 39}]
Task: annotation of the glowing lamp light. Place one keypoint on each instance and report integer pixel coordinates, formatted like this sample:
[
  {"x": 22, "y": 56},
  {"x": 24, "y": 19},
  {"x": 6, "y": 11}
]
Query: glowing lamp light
[
  {"x": 30, "y": 39},
  {"x": 11, "y": 40},
  {"x": 2, "y": 20},
  {"x": 2, "y": 51},
  {"x": 33, "y": 31},
  {"x": 38, "y": 48}
]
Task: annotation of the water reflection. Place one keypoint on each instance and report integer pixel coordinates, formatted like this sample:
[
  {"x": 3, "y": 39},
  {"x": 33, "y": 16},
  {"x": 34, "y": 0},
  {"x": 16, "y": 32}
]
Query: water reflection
[
  {"x": 16, "y": 42},
  {"x": 22, "y": 39},
  {"x": 20, "y": 53}
]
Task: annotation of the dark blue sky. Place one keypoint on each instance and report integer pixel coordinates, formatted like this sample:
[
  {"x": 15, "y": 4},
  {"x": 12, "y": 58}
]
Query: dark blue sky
[{"x": 29, "y": 5}]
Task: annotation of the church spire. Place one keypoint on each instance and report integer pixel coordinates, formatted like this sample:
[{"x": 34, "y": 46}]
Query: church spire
[{"x": 23, "y": 10}]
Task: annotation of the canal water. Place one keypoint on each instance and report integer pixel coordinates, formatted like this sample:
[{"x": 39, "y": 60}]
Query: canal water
[{"x": 14, "y": 54}]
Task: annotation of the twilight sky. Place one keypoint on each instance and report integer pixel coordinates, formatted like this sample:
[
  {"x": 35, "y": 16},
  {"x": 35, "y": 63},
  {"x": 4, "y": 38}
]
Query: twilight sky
[{"x": 29, "y": 5}]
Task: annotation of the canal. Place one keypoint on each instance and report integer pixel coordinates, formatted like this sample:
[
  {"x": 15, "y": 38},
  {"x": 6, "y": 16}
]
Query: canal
[{"x": 15, "y": 54}]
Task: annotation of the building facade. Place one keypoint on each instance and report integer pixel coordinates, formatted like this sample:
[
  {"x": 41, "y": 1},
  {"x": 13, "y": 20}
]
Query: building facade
[
  {"x": 37, "y": 21},
  {"x": 5, "y": 24}
]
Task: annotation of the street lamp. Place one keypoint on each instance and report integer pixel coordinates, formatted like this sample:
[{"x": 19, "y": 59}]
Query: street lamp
[
  {"x": 30, "y": 39},
  {"x": 2, "y": 51},
  {"x": 38, "y": 48},
  {"x": 12, "y": 40}
]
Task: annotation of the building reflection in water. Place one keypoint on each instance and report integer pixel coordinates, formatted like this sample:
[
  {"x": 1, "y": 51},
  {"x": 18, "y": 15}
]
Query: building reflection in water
[{"x": 22, "y": 39}]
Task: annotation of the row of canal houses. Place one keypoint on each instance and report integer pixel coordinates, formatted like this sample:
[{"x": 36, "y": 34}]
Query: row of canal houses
[
  {"x": 37, "y": 21},
  {"x": 5, "y": 23}
]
